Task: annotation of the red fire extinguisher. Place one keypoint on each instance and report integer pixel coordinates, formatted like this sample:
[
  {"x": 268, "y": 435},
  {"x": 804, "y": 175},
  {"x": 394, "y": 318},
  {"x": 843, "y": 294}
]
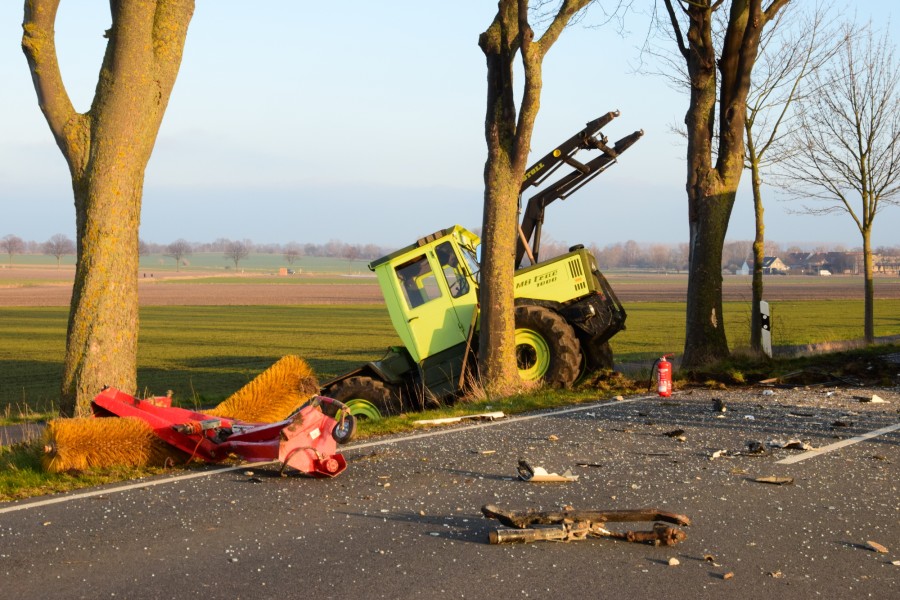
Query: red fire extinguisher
[{"x": 664, "y": 376}]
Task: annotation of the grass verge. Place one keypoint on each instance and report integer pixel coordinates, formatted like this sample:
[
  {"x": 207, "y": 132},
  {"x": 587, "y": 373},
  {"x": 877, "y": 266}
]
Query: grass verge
[{"x": 21, "y": 474}]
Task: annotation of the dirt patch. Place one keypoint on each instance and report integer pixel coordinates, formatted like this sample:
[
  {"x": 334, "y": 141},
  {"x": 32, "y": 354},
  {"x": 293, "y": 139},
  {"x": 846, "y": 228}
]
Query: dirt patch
[{"x": 212, "y": 294}]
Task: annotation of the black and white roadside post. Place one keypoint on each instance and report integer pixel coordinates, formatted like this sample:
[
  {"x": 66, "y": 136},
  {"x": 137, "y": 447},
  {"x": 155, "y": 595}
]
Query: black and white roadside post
[{"x": 766, "y": 324}]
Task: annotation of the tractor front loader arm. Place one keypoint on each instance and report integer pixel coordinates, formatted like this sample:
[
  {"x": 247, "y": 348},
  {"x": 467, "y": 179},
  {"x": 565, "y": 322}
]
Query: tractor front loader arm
[{"x": 565, "y": 186}]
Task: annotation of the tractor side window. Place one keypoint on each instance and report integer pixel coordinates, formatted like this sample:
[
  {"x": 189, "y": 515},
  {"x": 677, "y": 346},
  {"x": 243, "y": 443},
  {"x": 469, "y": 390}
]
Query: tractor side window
[
  {"x": 456, "y": 279},
  {"x": 418, "y": 281}
]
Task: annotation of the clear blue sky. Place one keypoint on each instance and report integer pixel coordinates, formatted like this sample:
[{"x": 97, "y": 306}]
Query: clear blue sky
[{"x": 363, "y": 122}]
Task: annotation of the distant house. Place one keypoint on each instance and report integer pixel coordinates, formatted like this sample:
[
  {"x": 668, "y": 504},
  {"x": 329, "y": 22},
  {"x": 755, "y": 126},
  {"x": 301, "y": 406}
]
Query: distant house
[
  {"x": 796, "y": 260},
  {"x": 887, "y": 264},
  {"x": 807, "y": 263},
  {"x": 772, "y": 265},
  {"x": 846, "y": 263},
  {"x": 743, "y": 270}
]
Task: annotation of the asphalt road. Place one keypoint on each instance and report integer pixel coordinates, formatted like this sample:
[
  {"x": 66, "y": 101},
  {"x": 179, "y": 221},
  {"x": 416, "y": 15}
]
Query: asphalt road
[{"x": 404, "y": 520}]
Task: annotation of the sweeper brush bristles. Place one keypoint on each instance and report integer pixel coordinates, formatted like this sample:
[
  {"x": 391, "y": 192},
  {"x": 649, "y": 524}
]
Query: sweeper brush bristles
[
  {"x": 91, "y": 443},
  {"x": 273, "y": 395}
]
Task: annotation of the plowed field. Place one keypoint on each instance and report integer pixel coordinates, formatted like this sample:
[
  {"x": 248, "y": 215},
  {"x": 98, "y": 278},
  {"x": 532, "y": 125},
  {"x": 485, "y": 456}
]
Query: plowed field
[{"x": 42, "y": 287}]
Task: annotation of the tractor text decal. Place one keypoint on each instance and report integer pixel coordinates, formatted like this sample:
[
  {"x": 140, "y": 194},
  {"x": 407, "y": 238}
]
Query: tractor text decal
[
  {"x": 539, "y": 280},
  {"x": 545, "y": 278},
  {"x": 536, "y": 168}
]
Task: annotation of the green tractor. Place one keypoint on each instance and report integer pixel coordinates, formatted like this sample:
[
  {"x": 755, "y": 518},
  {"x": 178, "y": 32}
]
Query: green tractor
[{"x": 565, "y": 311}]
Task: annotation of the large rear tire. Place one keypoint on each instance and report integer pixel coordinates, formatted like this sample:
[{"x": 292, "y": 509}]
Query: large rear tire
[
  {"x": 546, "y": 347},
  {"x": 598, "y": 356},
  {"x": 366, "y": 397}
]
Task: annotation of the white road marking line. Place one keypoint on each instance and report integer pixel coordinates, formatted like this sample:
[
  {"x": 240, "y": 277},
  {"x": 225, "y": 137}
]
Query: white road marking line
[
  {"x": 837, "y": 445},
  {"x": 125, "y": 488},
  {"x": 504, "y": 421},
  {"x": 427, "y": 434}
]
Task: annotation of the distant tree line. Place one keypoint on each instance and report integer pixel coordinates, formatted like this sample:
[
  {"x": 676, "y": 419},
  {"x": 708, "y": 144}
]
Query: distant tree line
[
  {"x": 620, "y": 255},
  {"x": 60, "y": 245}
]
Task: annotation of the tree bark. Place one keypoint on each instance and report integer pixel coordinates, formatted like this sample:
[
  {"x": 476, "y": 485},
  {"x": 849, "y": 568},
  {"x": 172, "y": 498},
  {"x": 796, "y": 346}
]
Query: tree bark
[
  {"x": 759, "y": 251},
  {"x": 869, "y": 308},
  {"x": 711, "y": 188},
  {"x": 508, "y": 137},
  {"x": 107, "y": 150}
]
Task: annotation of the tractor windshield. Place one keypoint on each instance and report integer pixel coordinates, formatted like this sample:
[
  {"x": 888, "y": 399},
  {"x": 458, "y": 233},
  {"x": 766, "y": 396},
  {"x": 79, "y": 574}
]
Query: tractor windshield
[
  {"x": 457, "y": 282},
  {"x": 471, "y": 261}
]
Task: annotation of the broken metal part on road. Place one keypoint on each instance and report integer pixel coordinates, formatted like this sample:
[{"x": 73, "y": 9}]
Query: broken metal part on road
[
  {"x": 540, "y": 474},
  {"x": 571, "y": 524},
  {"x": 790, "y": 444},
  {"x": 757, "y": 447},
  {"x": 876, "y": 547},
  {"x": 775, "y": 480},
  {"x": 874, "y": 399}
]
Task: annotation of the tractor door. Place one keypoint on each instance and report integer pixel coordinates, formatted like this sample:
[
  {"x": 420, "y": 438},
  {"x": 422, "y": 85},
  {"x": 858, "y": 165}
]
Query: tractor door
[
  {"x": 431, "y": 287},
  {"x": 460, "y": 282}
]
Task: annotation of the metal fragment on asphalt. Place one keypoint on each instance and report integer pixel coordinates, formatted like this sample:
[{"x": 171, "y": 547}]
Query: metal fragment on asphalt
[
  {"x": 775, "y": 480},
  {"x": 875, "y": 546}
]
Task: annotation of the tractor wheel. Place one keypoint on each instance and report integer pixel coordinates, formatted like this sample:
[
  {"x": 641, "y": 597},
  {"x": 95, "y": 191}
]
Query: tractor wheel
[
  {"x": 546, "y": 347},
  {"x": 598, "y": 356},
  {"x": 365, "y": 397}
]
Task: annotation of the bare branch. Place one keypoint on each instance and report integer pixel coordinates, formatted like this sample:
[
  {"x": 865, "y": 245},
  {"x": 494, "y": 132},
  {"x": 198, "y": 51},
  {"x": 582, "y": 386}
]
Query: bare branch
[
  {"x": 848, "y": 158},
  {"x": 676, "y": 29},
  {"x": 70, "y": 129}
]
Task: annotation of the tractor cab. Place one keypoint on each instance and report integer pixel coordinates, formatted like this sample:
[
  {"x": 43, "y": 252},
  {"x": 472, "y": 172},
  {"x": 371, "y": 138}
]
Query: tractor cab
[{"x": 431, "y": 290}]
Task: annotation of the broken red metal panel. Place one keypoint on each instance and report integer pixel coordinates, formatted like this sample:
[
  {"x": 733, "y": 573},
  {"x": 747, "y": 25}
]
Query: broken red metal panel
[{"x": 305, "y": 441}]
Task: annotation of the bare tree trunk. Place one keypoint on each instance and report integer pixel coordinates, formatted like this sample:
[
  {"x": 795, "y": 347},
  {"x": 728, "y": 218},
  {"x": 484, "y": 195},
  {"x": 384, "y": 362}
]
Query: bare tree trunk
[
  {"x": 869, "y": 320},
  {"x": 508, "y": 137},
  {"x": 497, "y": 341},
  {"x": 704, "y": 294},
  {"x": 107, "y": 150},
  {"x": 759, "y": 251},
  {"x": 711, "y": 188},
  {"x": 708, "y": 204},
  {"x": 101, "y": 346}
]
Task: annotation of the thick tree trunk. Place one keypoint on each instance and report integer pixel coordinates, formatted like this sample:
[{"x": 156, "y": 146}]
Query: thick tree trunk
[
  {"x": 705, "y": 327},
  {"x": 711, "y": 188},
  {"x": 101, "y": 346},
  {"x": 107, "y": 150},
  {"x": 707, "y": 205},
  {"x": 497, "y": 342},
  {"x": 508, "y": 137},
  {"x": 502, "y": 180}
]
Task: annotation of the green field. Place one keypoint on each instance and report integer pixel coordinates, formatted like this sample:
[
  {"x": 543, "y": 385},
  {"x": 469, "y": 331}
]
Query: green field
[{"x": 204, "y": 353}]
